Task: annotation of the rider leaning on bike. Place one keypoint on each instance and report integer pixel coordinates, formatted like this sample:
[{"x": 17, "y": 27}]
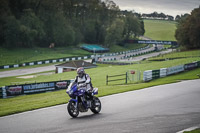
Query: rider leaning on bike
[{"x": 83, "y": 80}]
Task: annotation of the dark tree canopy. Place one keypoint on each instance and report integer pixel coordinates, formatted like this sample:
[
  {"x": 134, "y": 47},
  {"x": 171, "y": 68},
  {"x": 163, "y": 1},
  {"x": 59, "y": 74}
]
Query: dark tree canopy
[
  {"x": 28, "y": 23},
  {"x": 156, "y": 15},
  {"x": 188, "y": 30}
]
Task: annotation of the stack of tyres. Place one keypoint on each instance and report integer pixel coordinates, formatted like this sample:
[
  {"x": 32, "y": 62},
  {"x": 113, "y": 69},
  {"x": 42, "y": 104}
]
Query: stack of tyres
[
  {"x": 163, "y": 72},
  {"x": 198, "y": 63},
  {"x": 1, "y": 95},
  {"x": 147, "y": 75},
  {"x": 155, "y": 74}
]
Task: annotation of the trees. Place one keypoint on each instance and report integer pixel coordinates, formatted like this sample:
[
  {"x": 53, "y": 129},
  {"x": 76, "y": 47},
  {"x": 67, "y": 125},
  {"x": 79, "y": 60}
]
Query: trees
[
  {"x": 11, "y": 32},
  {"x": 187, "y": 33},
  {"x": 62, "y": 32},
  {"x": 28, "y": 23},
  {"x": 114, "y": 32},
  {"x": 134, "y": 27},
  {"x": 32, "y": 29},
  {"x": 156, "y": 15}
]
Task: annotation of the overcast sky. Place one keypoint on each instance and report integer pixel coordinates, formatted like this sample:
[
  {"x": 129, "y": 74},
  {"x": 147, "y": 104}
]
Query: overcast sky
[{"x": 170, "y": 7}]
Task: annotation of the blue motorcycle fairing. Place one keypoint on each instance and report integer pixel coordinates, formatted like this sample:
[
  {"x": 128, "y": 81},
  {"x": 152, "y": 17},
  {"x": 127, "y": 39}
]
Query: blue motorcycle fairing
[
  {"x": 95, "y": 91},
  {"x": 73, "y": 100},
  {"x": 73, "y": 92}
]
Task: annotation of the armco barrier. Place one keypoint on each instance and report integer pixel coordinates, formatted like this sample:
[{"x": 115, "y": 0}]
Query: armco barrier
[
  {"x": 14, "y": 90},
  {"x": 175, "y": 69}
]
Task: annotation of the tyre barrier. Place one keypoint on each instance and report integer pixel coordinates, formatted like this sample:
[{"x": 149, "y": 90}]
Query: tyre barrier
[
  {"x": 68, "y": 59},
  {"x": 113, "y": 63},
  {"x": 147, "y": 75},
  {"x": 46, "y": 62},
  {"x": 163, "y": 72},
  {"x": 1, "y": 93}
]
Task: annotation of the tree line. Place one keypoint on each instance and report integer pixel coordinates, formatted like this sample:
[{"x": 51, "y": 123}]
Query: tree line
[
  {"x": 28, "y": 23},
  {"x": 157, "y": 15},
  {"x": 188, "y": 30}
]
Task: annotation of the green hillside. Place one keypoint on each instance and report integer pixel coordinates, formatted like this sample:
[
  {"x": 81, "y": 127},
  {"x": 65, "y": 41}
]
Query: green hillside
[{"x": 160, "y": 29}]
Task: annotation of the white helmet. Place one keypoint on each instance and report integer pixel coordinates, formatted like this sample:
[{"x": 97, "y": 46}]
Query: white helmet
[{"x": 80, "y": 72}]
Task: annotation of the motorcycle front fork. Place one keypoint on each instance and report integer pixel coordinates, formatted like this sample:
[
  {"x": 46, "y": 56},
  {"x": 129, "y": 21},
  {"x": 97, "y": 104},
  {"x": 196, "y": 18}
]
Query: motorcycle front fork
[{"x": 76, "y": 105}]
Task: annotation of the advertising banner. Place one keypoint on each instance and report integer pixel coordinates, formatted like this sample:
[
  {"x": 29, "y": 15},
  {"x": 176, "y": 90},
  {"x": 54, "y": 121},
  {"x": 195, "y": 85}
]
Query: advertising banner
[
  {"x": 190, "y": 66},
  {"x": 62, "y": 84},
  {"x": 14, "y": 90},
  {"x": 175, "y": 69},
  {"x": 38, "y": 87},
  {"x": 151, "y": 42}
]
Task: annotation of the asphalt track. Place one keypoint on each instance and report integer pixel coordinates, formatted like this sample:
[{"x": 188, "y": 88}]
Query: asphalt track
[
  {"x": 146, "y": 56},
  {"x": 160, "y": 109},
  {"x": 24, "y": 71}
]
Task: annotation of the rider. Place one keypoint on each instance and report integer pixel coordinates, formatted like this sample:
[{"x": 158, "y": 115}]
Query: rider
[{"x": 84, "y": 81}]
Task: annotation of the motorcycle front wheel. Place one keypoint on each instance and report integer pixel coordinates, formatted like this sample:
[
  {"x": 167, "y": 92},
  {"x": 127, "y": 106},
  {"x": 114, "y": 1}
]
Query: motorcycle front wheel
[
  {"x": 96, "y": 105},
  {"x": 72, "y": 110}
]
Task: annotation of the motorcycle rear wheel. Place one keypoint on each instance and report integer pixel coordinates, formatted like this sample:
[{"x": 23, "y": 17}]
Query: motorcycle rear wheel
[
  {"x": 96, "y": 105},
  {"x": 72, "y": 110}
]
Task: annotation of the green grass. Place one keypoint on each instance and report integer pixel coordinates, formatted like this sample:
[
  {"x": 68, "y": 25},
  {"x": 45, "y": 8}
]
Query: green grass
[
  {"x": 182, "y": 54},
  {"x": 193, "y": 131},
  {"x": 98, "y": 75},
  {"x": 8, "y": 56},
  {"x": 35, "y": 101},
  {"x": 160, "y": 30},
  {"x": 126, "y": 47}
]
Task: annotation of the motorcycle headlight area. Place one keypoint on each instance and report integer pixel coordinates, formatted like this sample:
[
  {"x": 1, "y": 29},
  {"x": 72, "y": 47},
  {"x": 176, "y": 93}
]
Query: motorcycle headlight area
[{"x": 70, "y": 92}]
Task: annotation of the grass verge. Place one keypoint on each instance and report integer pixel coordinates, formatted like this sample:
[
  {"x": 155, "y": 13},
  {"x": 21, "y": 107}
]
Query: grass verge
[
  {"x": 193, "y": 131},
  {"x": 35, "y": 101}
]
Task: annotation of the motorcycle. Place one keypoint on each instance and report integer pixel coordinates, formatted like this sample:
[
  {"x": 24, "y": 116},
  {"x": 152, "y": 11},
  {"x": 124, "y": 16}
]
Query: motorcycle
[{"x": 81, "y": 102}]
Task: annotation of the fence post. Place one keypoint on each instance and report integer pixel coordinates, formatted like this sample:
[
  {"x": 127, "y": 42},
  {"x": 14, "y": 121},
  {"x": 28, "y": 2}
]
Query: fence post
[
  {"x": 126, "y": 77},
  {"x": 107, "y": 80}
]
